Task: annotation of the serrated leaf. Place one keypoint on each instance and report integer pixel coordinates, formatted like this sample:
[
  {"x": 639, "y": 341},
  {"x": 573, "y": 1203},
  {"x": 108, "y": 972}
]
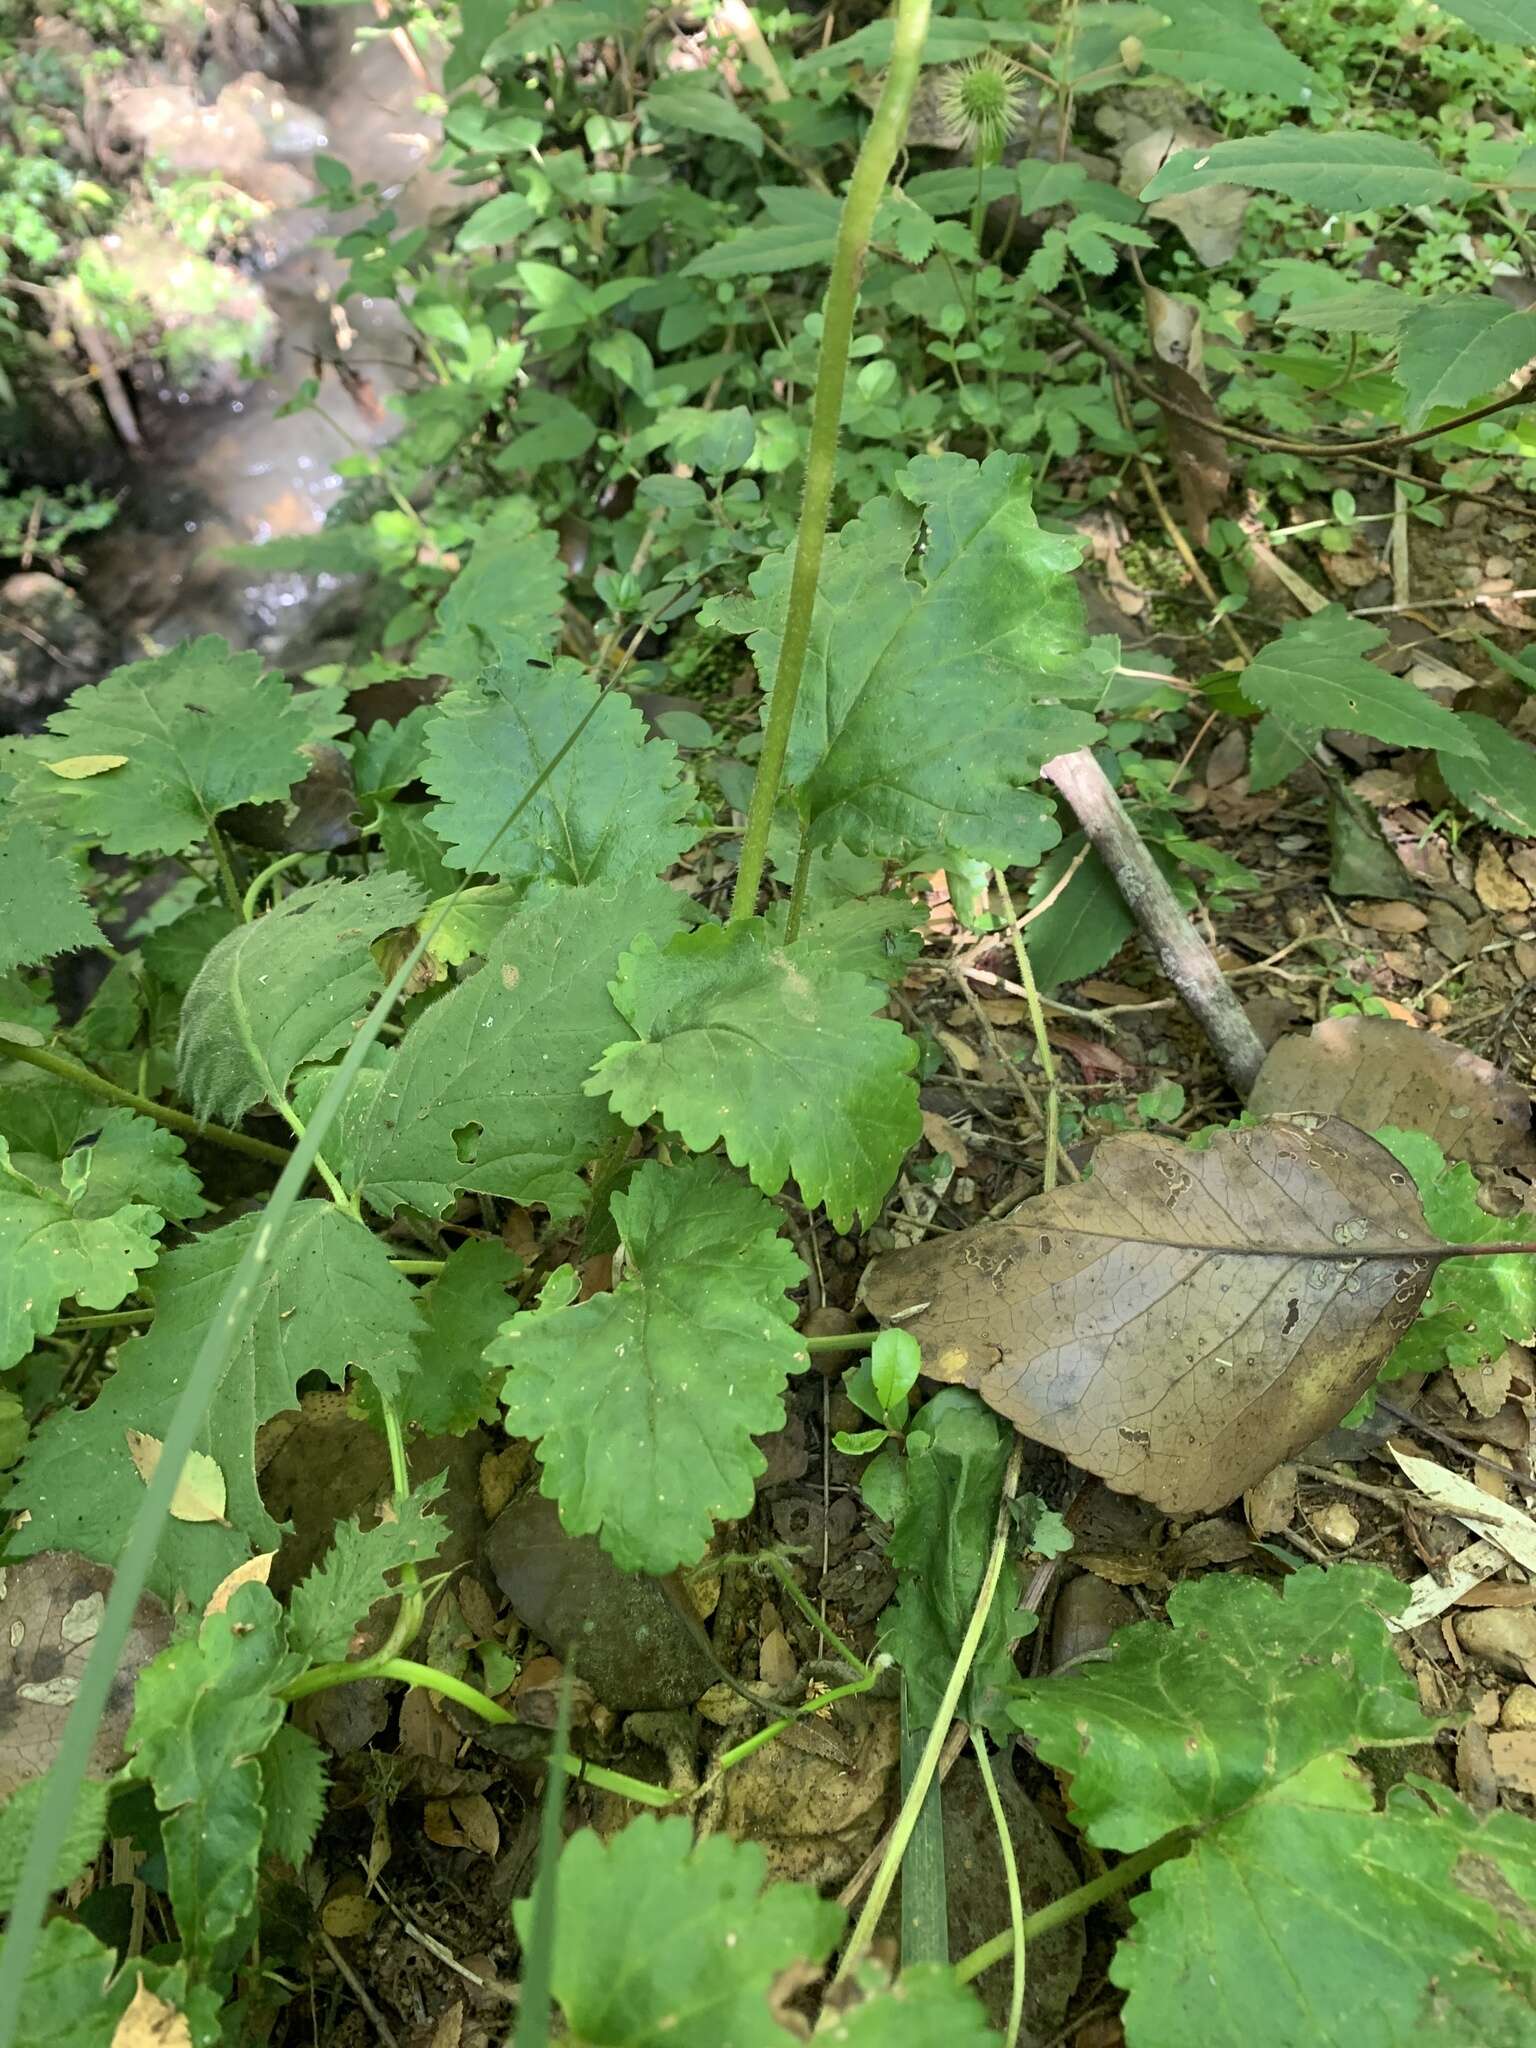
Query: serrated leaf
[
  {"x": 662, "y": 1942},
  {"x": 1087, "y": 924},
  {"x": 1315, "y": 676},
  {"x": 294, "y": 1777},
  {"x": 1186, "y": 1724},
  {"x": 328, "y": 1301},
  {"x": 1501, "y": 787},
  {"x": 464, "y": 1307},
  {"x": 288, "y": 988},
  {"x": 505, "y": 602},
  {"x": 85, "y": 1225},
  {"x": 924, "y": 2008},
  {"x": 1239, "y": 1722},
  {"x": 1226, "y": 43},
  {"x": 697, "y": 106},
  {"x": 616, "y": 805},
  {"x": 957, "y": 1452},
  {"x": 1340, "y": 172},
  {"x": 1453, "y": 351},
  {"x": 487, "y": 1088},
  {"x": 75, "y": 1991},
  {"x": 201, "y": 728},
  {"x": 203, "y": 1712},
  {"x": 44, "y": 912},
  {"x": 644, "y": 1402},
  {"x": 326, "y": 1607},
  {"x": 1475, "y": 1306},
  {"x": 774, "y": 1051},
  {"x": 199, "y": 1495},
  {"x": 926, "y": 707},
  {"x": 80, "y": 1843}
]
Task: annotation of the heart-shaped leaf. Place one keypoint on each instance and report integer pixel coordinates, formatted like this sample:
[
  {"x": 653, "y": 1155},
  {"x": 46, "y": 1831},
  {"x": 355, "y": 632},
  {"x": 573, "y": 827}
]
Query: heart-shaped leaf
[{"x": 1187, "y": 1318}]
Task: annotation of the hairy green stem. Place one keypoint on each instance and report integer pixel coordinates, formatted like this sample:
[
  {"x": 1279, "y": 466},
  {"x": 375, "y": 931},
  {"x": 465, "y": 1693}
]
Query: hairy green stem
[
  {"x": 269, "y": 873},
  {"x": 1073, "y": 1905},
  {"x": 796, "y": 909},
  {"x": 885, "y": 136},
  {"x": 819, "y": 1622},
  {"x": 173, "y": 1119},
  {"x": 226, "y": 866},
  {"x": 1011, "y": 1878},
  {"x": 885, "y": 1877}
]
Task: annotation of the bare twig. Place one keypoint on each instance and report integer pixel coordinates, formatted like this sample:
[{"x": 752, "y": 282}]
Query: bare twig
[{"x": 1184, "y": 956}]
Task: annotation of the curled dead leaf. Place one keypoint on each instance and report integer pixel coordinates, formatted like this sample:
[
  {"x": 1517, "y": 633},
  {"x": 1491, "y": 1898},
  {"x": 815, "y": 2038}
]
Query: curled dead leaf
[
  {"x": 199, "y": 1495},
  {"x": 255, "y": 1571},
  {"x": 148, "y": 2022},
  {"x": 1185, "y": 1320}
]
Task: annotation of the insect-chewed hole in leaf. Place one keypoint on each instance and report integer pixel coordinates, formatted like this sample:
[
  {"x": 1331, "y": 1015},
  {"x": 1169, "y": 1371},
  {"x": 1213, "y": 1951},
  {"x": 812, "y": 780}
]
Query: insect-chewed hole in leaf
[{"x": 466, "y": 1142}]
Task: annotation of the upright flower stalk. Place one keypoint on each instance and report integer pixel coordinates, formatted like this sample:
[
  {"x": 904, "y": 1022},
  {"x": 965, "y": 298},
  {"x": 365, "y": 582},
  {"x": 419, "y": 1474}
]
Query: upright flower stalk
[{"x": 866, "y": 187}]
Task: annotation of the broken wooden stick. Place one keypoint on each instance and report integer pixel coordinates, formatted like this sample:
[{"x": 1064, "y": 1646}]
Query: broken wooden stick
[{"x": 1182, "y": 954}]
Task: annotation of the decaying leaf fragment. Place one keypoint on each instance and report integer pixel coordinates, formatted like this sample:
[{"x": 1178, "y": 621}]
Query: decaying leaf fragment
[{"x": 1182, "y": 1321}]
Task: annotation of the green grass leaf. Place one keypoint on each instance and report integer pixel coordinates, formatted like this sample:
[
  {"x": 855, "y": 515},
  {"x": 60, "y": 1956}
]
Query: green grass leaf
[
  {"x": 1475, "y": 1306},
  {"x": 1339, "y": 173},
  {"x": 201, "y": 729},
  {"x": 487, "y": 1088},
  {"x": 326, "y": 1607},
  {"x": 1316, "y": 675},
  {"x": 328, "y": 1301},
  {"x": 1501, "y": 787},
  {"x": 286, "y": 989},
  {"x": 662, "y": 1942},
  {"x": 616, "y": 806},
  {"x": 776, "y": 1052},
  {"x": 85, "y": 1224},
  {"x": 1453, "y": 351},
  {"x": 644, "y": 1402},
  {"x": 926, "y": 711}
]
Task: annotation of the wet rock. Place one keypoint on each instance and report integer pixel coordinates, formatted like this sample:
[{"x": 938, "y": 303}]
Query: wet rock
[
  {"x": 50, "y": 643},
  {"x": 620, "y": 1633}
]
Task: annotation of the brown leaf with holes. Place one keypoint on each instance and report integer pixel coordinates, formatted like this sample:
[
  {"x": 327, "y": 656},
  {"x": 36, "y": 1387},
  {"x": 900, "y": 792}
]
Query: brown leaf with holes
[
  {"x": 1183, "y": 1321},
  {"x": 1375, "y": 1073}
]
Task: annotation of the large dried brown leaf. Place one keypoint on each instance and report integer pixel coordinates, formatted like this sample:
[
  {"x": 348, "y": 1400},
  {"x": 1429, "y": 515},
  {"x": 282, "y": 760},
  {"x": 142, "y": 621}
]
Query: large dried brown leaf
[
  {"x": 1182, "y": 1321},
  {"x": 1374, "y": 1073}
]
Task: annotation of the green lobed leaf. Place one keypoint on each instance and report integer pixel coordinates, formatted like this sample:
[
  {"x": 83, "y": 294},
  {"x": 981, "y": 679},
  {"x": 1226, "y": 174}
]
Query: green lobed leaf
[
  {"x": 487, "y": 1088},
  {"x": 1341, "y": 172},
  {"x": 77, "y": 1993},
  {"x": 644, "y": 1402},
  {"x": 45, "y": 912},
  {"x": 328, "y": 1301},
  {"x": 664, "y": 1942},
  {"x": 1453, "y": 351},
  {"x": 957, "y": 1452},
  {"x": 294, "y": 1777},
  {"x": 927, "y": 704},
  {"x": 77, "y": 1850},
  {"x": 1501, "y": 787},
  {"x": 617, "y": 805},
  {"x": 1475, "y": 1307},
  {"x": 85, "y": 1224},
  {"x": 288, "y": 988},
  {"x": 773, "y": 1050},
  {"x": 203, "y": 1712},
  {"x": 1316, "y": 675},
  {"x": 505, "y": 602},
  {"x": 1312, "y": 1919},
  {"x": 1185, "y": 1725},
  {"x": 203, "y": 729},
  {"x": 326, "y": 1607},
  {"x": 465, "y": 1306},
  {"x": 924, "y": 2008}
]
